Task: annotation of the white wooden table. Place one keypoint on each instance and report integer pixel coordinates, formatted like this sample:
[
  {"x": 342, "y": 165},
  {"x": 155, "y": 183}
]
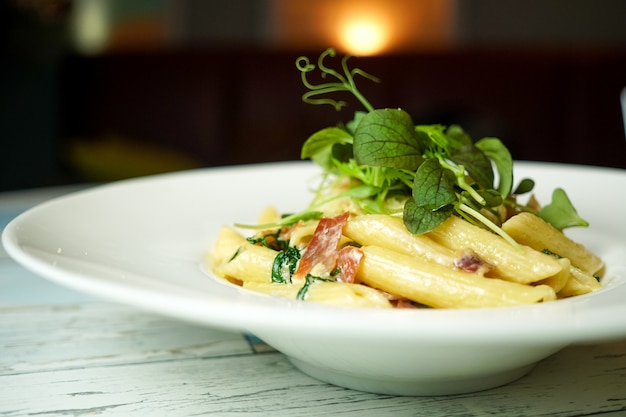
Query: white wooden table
[{"x": 64, "y": 353}]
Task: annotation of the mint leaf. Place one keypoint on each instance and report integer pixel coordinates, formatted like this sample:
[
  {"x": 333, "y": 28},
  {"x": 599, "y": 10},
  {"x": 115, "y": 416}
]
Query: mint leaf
[
  {"x": 500, "y": 155},
  {"x": 560, "y": 213},
  {"x": 387, "y": 138}
]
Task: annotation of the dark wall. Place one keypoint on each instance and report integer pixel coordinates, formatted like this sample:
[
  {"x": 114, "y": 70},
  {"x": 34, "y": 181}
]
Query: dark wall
[{"x": 232, "y": 107}]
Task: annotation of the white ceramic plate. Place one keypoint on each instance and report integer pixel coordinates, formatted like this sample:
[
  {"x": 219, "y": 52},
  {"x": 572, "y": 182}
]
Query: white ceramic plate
[{"x": 142, "y": 242}]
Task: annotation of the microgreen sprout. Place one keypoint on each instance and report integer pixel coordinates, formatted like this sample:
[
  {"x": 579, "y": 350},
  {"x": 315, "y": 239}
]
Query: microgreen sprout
[
  {"x": 436, "y": 171},
  {"x": 344, "y": 81}
]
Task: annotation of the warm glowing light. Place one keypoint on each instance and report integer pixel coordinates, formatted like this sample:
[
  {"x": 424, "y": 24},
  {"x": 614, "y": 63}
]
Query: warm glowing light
[
  {"x": 363, "y": 36},
  {"x": 365, "y": 27},
  {"x": 91, "y": 25}
]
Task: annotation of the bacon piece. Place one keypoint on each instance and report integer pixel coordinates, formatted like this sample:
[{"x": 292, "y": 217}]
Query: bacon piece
[
  {"x": 348, "y": 261},
  {"x": 322, "y": 250},
  {"x": 404, "y": 303},
  {"x": 470, "y": 262}
]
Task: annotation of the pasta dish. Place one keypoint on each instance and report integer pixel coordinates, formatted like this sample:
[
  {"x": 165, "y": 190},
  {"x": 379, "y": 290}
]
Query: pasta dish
[{"x": 408, "y": 216}]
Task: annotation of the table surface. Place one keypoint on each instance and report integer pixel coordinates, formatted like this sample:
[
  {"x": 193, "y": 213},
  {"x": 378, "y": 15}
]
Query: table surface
[{"x": 64, "y": 353}]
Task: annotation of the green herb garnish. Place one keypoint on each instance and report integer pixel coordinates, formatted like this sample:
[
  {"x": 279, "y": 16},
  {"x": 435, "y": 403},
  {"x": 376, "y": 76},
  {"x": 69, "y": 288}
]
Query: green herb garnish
[
  {"x": 285, "y": 264},
  {"x": 310, "y": 279},
  {"x": 436, "y": 171},
  {"x": 269, "y": 240}
]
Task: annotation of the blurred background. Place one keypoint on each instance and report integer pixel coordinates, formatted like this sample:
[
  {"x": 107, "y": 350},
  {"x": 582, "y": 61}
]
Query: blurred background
[{"x": 99, "y": 90}]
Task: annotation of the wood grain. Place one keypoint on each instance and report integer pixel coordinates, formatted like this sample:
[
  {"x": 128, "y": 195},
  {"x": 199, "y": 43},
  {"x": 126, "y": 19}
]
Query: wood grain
[{"x": 106, "y": 359}]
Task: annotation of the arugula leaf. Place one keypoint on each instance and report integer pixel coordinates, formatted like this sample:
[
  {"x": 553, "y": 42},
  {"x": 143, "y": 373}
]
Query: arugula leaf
[
  {"x": 387, "y": 138},
  {"x": 560, "y": 213}
]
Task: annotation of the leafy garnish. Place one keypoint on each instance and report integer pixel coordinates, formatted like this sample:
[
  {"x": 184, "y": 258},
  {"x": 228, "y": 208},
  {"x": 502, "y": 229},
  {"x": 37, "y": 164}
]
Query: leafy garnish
[
  {"x": 495, "y": 150},
  {"x": 560, "y": 213},
  {"x": 269, "y": 240},
  {"x": 345, "y": 81},
  {"x": 320, "y": 145},
  {"x": 287, "y": 220},
  {"x": 285, "y": 264},
  {"x": 434, "y": 170},
  {"x": 387, "y": 138},
  {"x": 310, "y": 279}
]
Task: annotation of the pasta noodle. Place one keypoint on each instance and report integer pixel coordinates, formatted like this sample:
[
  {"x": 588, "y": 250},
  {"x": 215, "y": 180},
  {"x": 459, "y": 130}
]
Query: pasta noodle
[
  {"x": 401, "y": 269},
  {"x": 326, "y": 292},
  {"x": 441, "y": 287},
  {"x": 531, "y": 230},
  {"x": 390, "y": 232},
  {"x": 579, "y": 283},
  {"x": 522, "y": 264}
]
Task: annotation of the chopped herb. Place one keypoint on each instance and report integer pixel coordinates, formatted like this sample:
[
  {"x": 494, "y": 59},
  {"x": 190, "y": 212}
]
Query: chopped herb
[
  {"x": 549, "y": 252},
  {"x": 237, "y": 252},
  {"x": 302, "y": 293},
  {"x": 270, "y": 240},
  {"x": 287, "y": 220},
  {"x": 285, "y": 264}
]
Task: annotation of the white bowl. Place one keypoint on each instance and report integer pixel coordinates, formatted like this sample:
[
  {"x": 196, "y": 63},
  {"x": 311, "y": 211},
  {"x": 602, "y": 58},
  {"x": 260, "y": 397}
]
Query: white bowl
[{"x": 142, "y": 242}]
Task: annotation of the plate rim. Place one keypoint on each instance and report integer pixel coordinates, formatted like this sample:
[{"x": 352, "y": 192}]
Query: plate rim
[{"x": 172, "y": 305}]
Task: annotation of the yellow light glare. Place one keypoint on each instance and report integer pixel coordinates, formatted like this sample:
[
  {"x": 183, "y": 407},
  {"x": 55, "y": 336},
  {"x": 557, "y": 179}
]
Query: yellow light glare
[
  {"x": 91, "y": 25},
  {"x": 363, "y": 36}
]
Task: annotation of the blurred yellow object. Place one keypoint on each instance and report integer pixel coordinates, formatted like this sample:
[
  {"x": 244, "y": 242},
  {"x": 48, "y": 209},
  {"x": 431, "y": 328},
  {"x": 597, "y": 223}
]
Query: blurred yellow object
[{"x": 114, "y": 158}]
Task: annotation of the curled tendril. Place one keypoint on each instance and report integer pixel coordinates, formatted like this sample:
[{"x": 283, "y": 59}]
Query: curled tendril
[{"x": 345, "y": 81}]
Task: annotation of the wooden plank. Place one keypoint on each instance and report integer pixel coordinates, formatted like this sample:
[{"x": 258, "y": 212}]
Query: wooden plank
[
  {"x": 44, "y": 338},
  {"x": 261, "y": 385},
  {"x": 116, "y": 361}
]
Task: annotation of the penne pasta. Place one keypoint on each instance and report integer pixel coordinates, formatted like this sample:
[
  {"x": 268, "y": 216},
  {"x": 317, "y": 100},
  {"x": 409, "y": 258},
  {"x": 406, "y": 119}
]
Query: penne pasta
[
  {"x": 269, "y": 215},
  {"x": 579, "y": 282},
  {"x": 390, "y": 232},
  {"x": 396, "y": 264},
  {"x": 441, "y": 287},
  {"x": 238, "y": 260},
  {"x": 558, "y": 281},
  {"x": 336, "y": 293},
  {"x": 529, "y": 229},
  {"x": 227, "y": 242},
  {"x": 522, "y": 264}
]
